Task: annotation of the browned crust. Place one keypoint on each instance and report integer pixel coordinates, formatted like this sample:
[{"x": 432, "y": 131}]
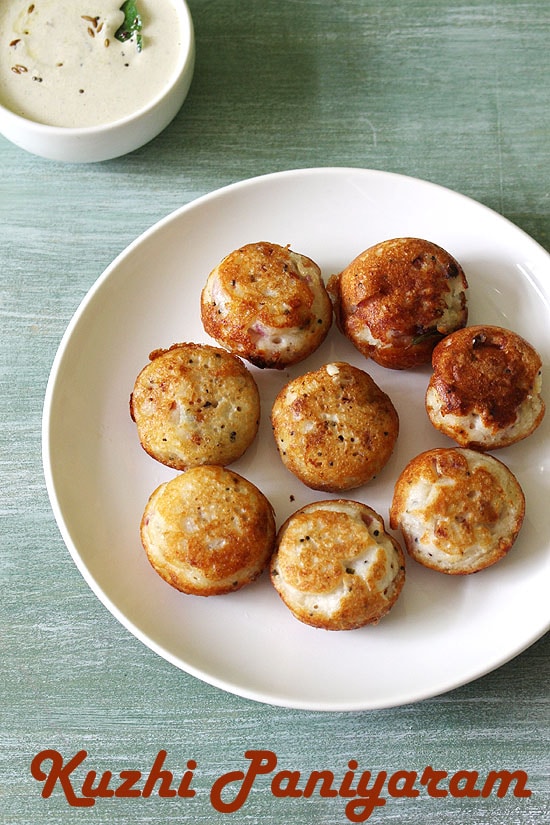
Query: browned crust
[
  {"x": 486, "y": 370},
  {"x": 176, "y": 554},
  {"x": 267, "y": 285},
  {"x": 207, "y": 372},
  {"x": 462, "y": 514},
  {"x": 328, "y": 454},
  {"x": 325, "y": 560},
  {"x": 397, "y": 290}
]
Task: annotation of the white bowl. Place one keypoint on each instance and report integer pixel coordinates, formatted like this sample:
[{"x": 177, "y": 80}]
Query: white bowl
[{"x": 116, "y": 138}]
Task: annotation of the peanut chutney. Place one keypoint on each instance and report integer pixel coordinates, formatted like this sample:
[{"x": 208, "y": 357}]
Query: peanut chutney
[{"x": 69, "y": 63}]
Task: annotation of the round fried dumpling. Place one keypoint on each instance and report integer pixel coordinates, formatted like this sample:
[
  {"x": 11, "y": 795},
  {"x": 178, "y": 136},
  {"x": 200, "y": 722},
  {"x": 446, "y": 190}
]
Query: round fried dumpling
[
  {"x": 208, "y": 531},
  {"x": 485, "y": 389},
  {"x": 267, "y": 304},
  {"x": 195, "y": 404},
  {"x": 396, "y": 300},
  {"x": 458, "y": 510},
  {"x": 335, "y": 429},
  {"x": 335, "y": 567}
]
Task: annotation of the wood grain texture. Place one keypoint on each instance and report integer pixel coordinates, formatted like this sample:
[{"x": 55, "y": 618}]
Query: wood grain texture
[{"x": 456, "y": 93}]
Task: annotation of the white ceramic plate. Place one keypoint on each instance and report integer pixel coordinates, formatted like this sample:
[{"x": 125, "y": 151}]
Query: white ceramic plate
[{"x": 444, "y": 631}]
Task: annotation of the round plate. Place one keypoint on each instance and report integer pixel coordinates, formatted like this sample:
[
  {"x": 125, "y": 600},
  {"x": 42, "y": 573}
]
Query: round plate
[{"x": 444, "y": 631}]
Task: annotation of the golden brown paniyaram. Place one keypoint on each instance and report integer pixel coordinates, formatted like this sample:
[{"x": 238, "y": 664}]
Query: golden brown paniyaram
[
  {"x": 335, "y": 566},
  {"x": 485, "y": 389},
  {"x": 334, "y": 427},
  {"x": 208, "y": 531},
  {"x": 195, "y": 404},
  {"x": 267, "y": 304},
  {"x": 398, "y": 298},
  {"x": 458, "y": 510}
]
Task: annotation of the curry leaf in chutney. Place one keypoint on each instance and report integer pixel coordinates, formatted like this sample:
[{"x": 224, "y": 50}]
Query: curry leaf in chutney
[{"x": 132, "y": 24}]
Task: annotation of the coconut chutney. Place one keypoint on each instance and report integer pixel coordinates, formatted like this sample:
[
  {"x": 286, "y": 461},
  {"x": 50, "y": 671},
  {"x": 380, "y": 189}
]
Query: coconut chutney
[{"x": 62, "y": 65}]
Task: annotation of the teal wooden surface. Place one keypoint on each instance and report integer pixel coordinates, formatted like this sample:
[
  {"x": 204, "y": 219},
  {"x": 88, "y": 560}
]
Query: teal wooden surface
[{"x": 455, "y": 93}]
